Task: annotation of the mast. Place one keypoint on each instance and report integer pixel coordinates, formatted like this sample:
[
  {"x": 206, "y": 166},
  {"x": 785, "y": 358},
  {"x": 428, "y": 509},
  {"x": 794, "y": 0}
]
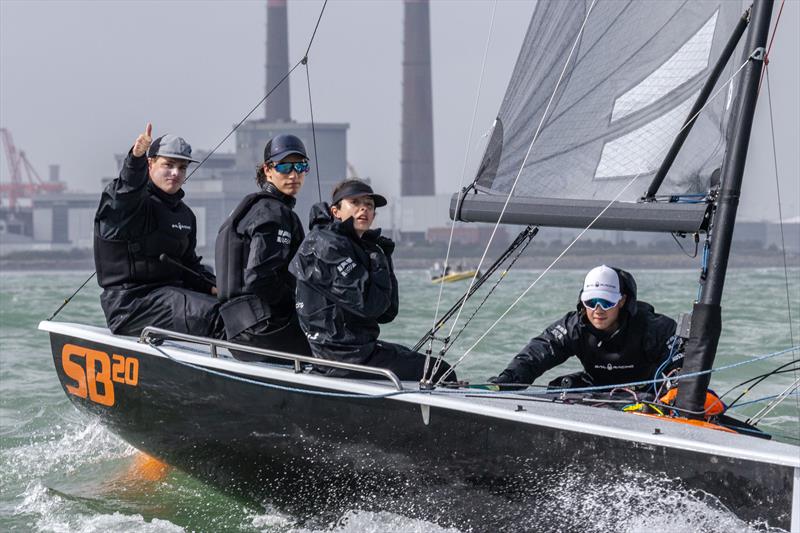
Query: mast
[{"x": 707, "y": 312}]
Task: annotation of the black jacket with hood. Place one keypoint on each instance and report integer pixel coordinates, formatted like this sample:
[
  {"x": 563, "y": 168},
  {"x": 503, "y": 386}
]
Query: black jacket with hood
[
  {"x": 633, "y": 352},
  {"x": 346, "y": 287}
]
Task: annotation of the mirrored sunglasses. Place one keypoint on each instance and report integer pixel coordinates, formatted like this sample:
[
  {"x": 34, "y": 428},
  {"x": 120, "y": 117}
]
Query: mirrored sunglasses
[
  {"x": 604, "y": 304},
  {"x": 286, "y": 168}
]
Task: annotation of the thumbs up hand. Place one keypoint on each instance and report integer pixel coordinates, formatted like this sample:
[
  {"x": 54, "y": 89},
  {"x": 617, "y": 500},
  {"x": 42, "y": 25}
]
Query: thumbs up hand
[{"x": 143, "y": 141}]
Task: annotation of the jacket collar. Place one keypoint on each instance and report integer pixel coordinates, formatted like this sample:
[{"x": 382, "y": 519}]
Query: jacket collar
[
  {"x": 171, "y": 200},
  {"x": 271, "y": 190}
]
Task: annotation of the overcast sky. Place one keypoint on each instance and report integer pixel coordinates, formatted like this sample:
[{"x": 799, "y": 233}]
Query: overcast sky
[{"x": 78, "y": 81}]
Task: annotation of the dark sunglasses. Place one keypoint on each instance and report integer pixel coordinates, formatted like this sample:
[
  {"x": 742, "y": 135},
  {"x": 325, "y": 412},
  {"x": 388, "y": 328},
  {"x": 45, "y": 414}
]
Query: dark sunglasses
[
  {"x": 286, "y": 168},
  {"x": 604, "y": 304}
]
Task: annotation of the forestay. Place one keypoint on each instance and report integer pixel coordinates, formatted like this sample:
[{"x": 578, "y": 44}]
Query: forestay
[{"x": 627, "y": 90}]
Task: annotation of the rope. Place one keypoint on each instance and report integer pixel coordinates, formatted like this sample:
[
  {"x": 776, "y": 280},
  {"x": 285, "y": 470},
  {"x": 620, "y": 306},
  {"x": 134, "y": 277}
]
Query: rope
[
  {"x": 756, "y": 418},
  {"x": 461, "y": 184},
  {"x": 765, "y": 398},
  {"x": 313, "y": 130},
  {"x": 598, "y": 388},
  {"x": 589, "y": 226},
  {"x": 780, "y": 208},
  {"x": 769, "y": 47},
  {"x": 284, "y": 78},
  {"x": 68, "y": 300}
]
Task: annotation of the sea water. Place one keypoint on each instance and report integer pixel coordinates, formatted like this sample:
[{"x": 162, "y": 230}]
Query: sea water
[{"x": 60, "y": 471}]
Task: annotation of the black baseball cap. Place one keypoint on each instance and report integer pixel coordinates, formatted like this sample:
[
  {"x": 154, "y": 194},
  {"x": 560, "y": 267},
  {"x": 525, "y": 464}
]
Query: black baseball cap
[
  {"x": 354, "y": 188},
  {"x": 282, "y": 145}
]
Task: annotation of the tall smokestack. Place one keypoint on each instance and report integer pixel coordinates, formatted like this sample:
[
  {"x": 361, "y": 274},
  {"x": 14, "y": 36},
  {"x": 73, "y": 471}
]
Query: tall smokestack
[
  {"x": 416, "y": 160},
  {"x": 276, "y": 107}
]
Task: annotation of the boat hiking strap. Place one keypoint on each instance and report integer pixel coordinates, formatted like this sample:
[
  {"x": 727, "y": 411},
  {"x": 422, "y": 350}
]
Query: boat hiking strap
[
  {"x": 524, "y": 237},
  {"x": 580, "y": 235},
  {"x": 521, "y": 243},
  {"x": 303, "y": 61}
]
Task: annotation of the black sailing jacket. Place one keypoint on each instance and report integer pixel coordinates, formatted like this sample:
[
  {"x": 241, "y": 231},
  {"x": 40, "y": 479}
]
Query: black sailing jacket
[
  {"x": 633, "y": 352},
  {"x": 345, "y": 287},
  {"x": 135, "y": 223},
  {"x": 254, "y": 247}
]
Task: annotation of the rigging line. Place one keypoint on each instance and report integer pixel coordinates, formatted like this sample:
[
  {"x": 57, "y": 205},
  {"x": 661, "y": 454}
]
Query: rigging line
[
  {"x": 316, "y": 26},
  {"x": 488, "y": 294},
  {"x": 461, "y": 183},
  {"x": 711, "y": 98},
  {"x": 528, "y": 153},
  {"x": 596, "y": 388},
  {"x": 68, "y": 300},
  {"x": 687, "y": 254},
  {"x": 236, "y": 127},
  {"x": 790, "y": 390},
  {"x": 529, "y": 233},
  {"x": 756, "y": 380},
  {"x": 759, "y": 400},
  {"x": 769, "y": 46},
  {"x": 313, "y": 130},
  {"x": 780, "y": 210}
]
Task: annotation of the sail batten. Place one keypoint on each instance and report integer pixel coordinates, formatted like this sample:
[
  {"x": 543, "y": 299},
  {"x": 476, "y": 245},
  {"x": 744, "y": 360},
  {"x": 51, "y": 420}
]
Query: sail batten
[{"x": 638, "y": 69}]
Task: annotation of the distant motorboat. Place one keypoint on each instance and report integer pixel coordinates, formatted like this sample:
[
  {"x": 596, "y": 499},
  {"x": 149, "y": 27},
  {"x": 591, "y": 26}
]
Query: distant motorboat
[{"x": 448, "y": 274}]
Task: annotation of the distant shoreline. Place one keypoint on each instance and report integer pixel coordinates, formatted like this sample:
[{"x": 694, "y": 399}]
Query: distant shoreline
[{"x": 633, "y": 261}]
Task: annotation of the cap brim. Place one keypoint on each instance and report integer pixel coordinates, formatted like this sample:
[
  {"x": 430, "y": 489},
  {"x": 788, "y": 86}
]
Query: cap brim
[
  {"x": 281, "y": 155},
  {"x": 380, "y": 201},
  {"x": 611, "y": 296},
  {"x": 177, "y": 156}
]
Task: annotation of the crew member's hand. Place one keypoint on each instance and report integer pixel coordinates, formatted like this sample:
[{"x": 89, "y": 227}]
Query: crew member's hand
[
  {"x": 143, "y": 141},
  {"x": 214, "y": 291}
]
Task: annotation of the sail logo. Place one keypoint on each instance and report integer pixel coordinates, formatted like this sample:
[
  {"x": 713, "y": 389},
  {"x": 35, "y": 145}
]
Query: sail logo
[
  {"x": 94, "y": 373},
  {"x": 346, "y": 266},
  {"x": 284, "y": 237},
  {"x": 180, "y": 226}
]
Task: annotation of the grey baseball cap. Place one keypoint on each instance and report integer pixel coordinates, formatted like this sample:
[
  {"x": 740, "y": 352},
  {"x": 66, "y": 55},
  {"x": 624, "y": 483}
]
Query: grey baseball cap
[{"x": 171, "y": 146}]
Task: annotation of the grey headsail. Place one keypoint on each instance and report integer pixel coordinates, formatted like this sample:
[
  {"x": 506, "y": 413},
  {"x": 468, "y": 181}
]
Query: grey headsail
[{"x": 636, "y": 71}]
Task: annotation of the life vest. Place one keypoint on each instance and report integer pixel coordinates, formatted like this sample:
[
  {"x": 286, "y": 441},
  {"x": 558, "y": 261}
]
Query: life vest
[
  {"x": 241, "y": 309},
  {"x": 136, "y": 261}
]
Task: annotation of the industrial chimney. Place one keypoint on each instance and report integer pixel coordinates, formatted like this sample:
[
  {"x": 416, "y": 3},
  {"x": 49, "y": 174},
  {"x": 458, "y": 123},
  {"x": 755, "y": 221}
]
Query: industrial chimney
[
  {"x": 416, "y": 159},
  {"x": 276, "y": 107}
]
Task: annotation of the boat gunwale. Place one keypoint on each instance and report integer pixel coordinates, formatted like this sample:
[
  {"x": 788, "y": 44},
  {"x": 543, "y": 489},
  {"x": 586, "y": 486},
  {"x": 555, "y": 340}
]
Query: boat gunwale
[{"x": 641, "y": 430}]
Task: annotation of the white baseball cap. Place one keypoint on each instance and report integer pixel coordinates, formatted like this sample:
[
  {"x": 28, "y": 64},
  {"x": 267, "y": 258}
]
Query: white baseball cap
[{"x": 601, "y": 282}]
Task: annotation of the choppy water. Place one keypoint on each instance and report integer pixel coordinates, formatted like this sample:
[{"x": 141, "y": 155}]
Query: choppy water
[{"x": 61, "y": 472}]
